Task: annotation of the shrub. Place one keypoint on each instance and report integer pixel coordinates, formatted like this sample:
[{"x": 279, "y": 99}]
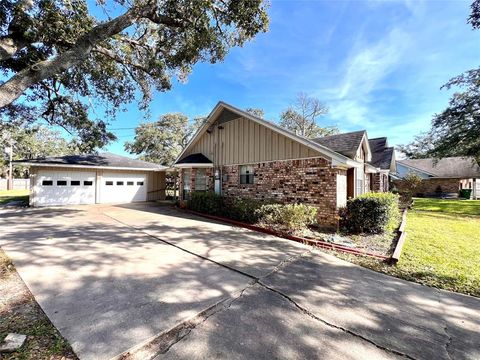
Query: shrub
[
  {"x": 372, "y": 213},
  {"x": 206, "y": 202},
  {"x": 244, "y": 210},
  {"x": 291, "y": 216}
]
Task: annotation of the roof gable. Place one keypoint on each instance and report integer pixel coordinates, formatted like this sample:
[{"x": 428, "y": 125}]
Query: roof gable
[
  {"x": 382, "y": 155},
  {"x": 346, "y": 144},
  {"x": 232, "y": 113}
]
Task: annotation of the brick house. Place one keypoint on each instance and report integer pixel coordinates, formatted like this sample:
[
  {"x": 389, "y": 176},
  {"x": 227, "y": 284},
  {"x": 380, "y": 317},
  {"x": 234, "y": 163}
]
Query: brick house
[
  {"x": 237, "y": 154},
  {"x": 443, "y": 177}
]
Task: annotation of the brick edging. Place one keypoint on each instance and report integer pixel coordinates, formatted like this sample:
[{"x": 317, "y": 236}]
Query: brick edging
[{"x": 311, "y": 242}]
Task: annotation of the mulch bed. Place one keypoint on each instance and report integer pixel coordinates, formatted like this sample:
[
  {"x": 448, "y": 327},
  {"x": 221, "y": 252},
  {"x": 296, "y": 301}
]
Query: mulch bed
[{"x": 20, "y": 313}]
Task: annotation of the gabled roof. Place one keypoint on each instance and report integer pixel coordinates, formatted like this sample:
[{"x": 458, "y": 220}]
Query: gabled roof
[
  {"x": 451, "y": 167},
  {"x": 221, "y": 106},
  {"x": 382, "y": 154},
  {"x": 101, "y": 160},
  {"x": 346, "y": 144}
]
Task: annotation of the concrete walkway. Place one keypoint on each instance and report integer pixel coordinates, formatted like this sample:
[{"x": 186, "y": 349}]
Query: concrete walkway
[{"x": 116, "y": 277}]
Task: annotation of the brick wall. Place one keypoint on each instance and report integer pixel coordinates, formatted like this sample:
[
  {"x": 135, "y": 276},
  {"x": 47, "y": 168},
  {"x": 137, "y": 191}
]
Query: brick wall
[
  {"x": 429, "y": 187},
  {"x": 379, "y": 182},
  {"x": 309, "y": 181}
]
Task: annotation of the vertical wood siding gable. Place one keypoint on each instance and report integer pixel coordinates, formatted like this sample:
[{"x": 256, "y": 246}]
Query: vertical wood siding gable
[{"x": 243, "y": 141}]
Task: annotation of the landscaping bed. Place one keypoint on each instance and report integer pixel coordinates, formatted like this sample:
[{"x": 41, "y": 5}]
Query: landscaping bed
[
  {"x": 20, "y": 313},
  {"x": 442, "y": 248}
]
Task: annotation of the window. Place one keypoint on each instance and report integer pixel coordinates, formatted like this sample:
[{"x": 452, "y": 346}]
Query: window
[
  {"x": 140, "y": 183},
  {"x": 120, "y": 183},
  {"x": 109, "y": 183},
  {"x": 246, "y": 174},
  {"x": 61, "y": 182},
  {"x": 186, "y": 185},
  {"x": 87, "y": 183},
  {"x": 75, "y": 183},
  {"x": 359, "y": 186},
  {"x": 130, "y": 183},
  {"x": 200, "y": 180},
  {"x": 47, "y": 182}
]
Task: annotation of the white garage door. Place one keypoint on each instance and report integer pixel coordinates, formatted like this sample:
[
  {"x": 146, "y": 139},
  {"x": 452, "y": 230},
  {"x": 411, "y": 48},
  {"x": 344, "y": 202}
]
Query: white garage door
[
  {"x": 64, "y": 188},
  {"x": 123, "y": 188}
]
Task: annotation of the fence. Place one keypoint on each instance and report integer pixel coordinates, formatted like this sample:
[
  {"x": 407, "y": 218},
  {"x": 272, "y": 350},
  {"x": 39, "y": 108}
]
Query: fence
[{"x": 18, "y": 184}]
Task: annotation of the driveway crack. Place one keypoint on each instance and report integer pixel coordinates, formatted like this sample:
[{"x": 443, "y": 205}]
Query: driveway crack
[{"x": 329, "y": 324}]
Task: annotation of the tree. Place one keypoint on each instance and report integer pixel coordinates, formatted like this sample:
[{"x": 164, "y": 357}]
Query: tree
[
  {"x": 30, "y": 143},
  {"x": 456, "y": 130},
  {"x": 301, "y": 118},
  {"x": 63, "y": 62},
  {"x": 256, "y": 112},
  {"x": 163, "y": 140}
]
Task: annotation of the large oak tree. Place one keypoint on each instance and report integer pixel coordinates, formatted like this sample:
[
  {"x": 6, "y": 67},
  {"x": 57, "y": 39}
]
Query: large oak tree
[{"x": 62, "y": 62}]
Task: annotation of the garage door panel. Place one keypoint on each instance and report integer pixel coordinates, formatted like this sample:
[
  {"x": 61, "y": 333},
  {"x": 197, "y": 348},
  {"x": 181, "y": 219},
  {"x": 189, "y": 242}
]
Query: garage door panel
[
  {"x": 65, "y": 188},
  {"x": 123, "y": 187}
]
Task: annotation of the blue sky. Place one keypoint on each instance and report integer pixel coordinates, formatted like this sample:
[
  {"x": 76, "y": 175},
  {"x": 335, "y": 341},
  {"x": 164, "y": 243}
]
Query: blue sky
[{"x": 377, "y": 65}]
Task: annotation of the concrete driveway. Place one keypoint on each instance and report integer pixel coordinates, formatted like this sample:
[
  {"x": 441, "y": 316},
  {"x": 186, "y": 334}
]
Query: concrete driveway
[{"x": 165, "y": 284}]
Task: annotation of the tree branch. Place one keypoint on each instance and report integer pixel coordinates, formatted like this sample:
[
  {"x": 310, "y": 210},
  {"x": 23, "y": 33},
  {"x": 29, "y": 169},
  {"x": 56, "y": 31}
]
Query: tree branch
[
  {"x": 9, "y": 47},
  {"x": 20, "y": 82}
]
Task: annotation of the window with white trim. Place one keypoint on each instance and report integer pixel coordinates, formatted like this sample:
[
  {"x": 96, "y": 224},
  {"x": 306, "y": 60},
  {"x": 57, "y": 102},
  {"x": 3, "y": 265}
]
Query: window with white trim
[
  {"x": 200, "y": 180},
  {"x": 359, "y": 186},
  {"x": 246, "y": 174}
]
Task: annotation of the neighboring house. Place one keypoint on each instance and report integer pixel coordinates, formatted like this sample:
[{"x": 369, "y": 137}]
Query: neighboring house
[
  {"x": 91, "y": 179},
  {"x": 443, "y": 176},
  {"x": 237, "y": 154}
]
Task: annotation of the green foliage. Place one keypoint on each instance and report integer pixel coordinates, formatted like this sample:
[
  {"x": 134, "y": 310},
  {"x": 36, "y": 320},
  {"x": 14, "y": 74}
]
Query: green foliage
[
  {"x": 30, "y": 143},
  {"x": 290, "y": 216},
  {"x": 206, "y": 202},
  {"x": 372, "y": 213},
  {"x": 465, "y": 193},
  {"x": 244, "y": 210},
  {"x": 163, "y": 140},
  {"x": 456, "y": 130},
  {"x": 62, "y": 59},
  {"x": 301, "y": 118}
]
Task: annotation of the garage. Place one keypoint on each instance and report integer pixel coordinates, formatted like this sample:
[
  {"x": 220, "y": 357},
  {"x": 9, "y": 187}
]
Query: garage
[
  {"x": 123, "y": 187},
  {"x": 94, "y": 179},
  {"x": 65, "y": 187}
]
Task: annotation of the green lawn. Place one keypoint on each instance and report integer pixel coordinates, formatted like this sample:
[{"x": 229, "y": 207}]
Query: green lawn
[
  {"x": 442, "y": 248},
  {"x": 10, "y": 195}
]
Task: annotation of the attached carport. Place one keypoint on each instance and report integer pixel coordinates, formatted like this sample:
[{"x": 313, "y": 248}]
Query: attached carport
[{"x": 94, "y": 179}]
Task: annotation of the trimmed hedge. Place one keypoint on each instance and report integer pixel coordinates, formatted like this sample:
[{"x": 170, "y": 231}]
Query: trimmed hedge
[
  {"x": 372, "y": 213},
  {"x": 291, "y": 216}
]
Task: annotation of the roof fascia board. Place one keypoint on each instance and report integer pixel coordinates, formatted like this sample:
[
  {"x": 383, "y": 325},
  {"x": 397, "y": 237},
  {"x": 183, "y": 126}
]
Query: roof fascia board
[
  {"x": 90, "y": 166},
  {"x": 417, "y": 169},
  {"x": 193, "y": 165}
]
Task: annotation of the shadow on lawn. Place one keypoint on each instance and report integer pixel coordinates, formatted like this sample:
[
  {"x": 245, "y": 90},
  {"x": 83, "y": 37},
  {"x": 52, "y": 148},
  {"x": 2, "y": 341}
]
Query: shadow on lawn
[{"x": 108, "y": 286}]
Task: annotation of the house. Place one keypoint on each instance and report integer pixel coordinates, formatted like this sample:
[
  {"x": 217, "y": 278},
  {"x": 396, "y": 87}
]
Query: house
[
  {"x": 442, "y": 176},
  {"x": 93, "y": 179},
  {"x": 237, "y": 154}
]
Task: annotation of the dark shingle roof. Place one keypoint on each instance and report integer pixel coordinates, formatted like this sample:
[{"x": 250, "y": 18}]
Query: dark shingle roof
[
  {"x": 197, "y": 158},
  {"x": 346, "y": 144},
  {"x": 95, "y": 160},
  {"x": 381, "y": 153},
  {"x": 453, "y": 167}
]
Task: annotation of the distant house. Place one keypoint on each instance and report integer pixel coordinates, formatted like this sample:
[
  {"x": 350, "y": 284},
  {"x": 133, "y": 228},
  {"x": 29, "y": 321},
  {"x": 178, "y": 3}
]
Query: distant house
[
  {"x": 443, "y": 176},
  {"x": 237, "y": 154}
]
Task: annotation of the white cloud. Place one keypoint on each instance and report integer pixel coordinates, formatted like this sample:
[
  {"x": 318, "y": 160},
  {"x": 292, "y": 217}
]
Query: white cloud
[{"x": 364, "y": 72}]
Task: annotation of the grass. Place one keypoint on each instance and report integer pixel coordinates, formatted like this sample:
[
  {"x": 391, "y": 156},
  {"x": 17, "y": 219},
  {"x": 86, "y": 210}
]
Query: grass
[
  {"x": 442, "y": 247},
  {"x": 20, "y": 313},
  {"x": 13, "y": 195}
]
